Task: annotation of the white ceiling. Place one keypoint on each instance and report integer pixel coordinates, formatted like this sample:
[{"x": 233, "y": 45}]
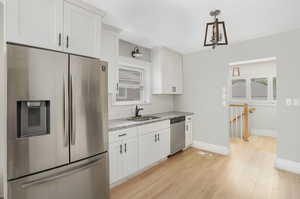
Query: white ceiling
[{"x": 180, "y": 24}]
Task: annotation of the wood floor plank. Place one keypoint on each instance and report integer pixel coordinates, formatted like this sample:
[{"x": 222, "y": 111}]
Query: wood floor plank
[{"x": 248, "y": 173}]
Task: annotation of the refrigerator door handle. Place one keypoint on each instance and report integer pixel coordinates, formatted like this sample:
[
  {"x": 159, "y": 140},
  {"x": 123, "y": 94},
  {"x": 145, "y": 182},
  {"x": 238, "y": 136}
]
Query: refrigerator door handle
[
  {"x": 65, "y": 120},
  {"x": 60, "y": 175},
  {"x": 72, "y": 112}
]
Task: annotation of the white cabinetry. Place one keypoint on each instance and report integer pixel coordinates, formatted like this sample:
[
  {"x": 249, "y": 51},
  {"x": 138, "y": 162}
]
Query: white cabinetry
[
  {"x": 133, "y": 149},
  {"x": 154, "y": 143},
  {"x": 123, "y": 154},
  {"x": 35, "y": 22},
  {"x": 110, "y": 53},
  {"x": 115, "y": 161},
  {"x": 69, "y": 25},
  {"x": 188, "y": 131},
  {"x": 82, "y": 31},
  {"x": 167, "y": 72}
]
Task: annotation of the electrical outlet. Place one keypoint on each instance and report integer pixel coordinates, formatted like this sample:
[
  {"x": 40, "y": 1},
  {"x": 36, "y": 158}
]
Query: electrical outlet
[{"x": 296, "y": 102}]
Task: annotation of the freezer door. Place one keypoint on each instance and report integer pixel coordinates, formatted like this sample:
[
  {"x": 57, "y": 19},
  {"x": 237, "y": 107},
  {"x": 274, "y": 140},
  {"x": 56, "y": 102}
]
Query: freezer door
[
  {"x": 88, "y": 91},
  {"x": 37, "y": 107},
  {"x": 83, "y": 180}
]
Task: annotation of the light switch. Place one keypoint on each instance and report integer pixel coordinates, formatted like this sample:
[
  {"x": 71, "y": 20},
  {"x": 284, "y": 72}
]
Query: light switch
[
  {"x": 288, "y": 101},
  {"x": 296, "y": 102}
]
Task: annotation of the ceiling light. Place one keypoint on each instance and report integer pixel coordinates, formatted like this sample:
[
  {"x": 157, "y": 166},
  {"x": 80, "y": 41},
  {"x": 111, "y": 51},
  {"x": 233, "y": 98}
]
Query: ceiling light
[
  {"x": 216, "y": 30},
  {"x": 136, "y": 53}
]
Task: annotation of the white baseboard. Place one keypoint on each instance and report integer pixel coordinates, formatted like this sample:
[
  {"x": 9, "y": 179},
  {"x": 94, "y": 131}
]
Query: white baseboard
[
  {"x": 288, "y": 165},
  {"x": 264, "y": 132},
  {"x": 211, "y": 147}
]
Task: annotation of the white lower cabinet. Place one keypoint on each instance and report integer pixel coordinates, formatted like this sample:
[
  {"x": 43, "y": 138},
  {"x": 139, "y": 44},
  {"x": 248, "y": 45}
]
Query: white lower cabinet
[
  {"x": 153, "y": 147},
  {"x": 123, "y": 154},
  {"x": 130, "y": 161},
  {"x": 147, "y": 147},
  {"x": 164, "y": 143},
  {"x": 115, "y": 162},
  {"x": 188, "y": 131},
  {"x": 134, "y": 149}
]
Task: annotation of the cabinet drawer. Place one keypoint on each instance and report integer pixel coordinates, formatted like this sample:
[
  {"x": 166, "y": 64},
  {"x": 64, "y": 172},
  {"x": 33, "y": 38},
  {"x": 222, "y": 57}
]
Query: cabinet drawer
[
  {"x": 156, "y": 126},
  {"x": 122, "y": 134}
]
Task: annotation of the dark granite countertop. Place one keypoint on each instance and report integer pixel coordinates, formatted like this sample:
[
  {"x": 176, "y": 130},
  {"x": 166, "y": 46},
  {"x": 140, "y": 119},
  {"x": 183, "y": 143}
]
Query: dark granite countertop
[{"x": 123, "y": 123}]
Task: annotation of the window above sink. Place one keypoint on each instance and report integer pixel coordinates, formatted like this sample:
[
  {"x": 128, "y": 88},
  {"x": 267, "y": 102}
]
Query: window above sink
[{"x": 132, "y": 84}]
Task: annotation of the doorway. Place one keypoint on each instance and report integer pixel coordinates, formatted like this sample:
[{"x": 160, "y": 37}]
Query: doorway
[{"x": 252, "y": 107}]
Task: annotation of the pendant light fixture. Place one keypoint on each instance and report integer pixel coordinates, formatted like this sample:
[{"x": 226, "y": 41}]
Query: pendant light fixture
[{"x": 216, "y": 30}]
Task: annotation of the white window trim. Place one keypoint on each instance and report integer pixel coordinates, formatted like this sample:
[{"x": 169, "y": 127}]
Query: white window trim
[
  {"x": 146, "y": 84},
  {"x": 248, "y": 99}
]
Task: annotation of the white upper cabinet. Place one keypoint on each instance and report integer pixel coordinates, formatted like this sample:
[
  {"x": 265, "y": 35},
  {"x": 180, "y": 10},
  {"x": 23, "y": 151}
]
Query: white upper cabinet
[
  {"x": 82, "y": 31},
  {"x": 167, "y": 74},
  {"x": 35, "y": 22},
  {"x": 63, "y": 25},
  {"x": 110, "y": 53}
]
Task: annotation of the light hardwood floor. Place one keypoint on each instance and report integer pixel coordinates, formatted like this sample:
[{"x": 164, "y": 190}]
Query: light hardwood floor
[{"x": 248, "y": 173}]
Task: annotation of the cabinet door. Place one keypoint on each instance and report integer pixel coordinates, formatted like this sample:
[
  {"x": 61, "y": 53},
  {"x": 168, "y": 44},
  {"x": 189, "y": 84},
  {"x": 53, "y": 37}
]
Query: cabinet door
[
  {"x": 167, "y": 71},
  {"x": 82, "y": 31},
  {"x": 164, "y": 144},
  {"x": 130, "y": 165},
  {"x": 109, "y": 53},
  {"x": 188, "y": 134},
  {"x": 115, "y": 161},
  {"x": 178, "y": 74},
  {"x": 35, "y": 22},
  {"x": 147, "y": 148}
]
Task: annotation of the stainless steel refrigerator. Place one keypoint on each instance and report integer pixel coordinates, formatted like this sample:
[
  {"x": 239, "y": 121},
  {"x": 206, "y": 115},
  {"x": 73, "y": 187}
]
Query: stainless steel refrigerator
[{"x": 57, "y": 125}]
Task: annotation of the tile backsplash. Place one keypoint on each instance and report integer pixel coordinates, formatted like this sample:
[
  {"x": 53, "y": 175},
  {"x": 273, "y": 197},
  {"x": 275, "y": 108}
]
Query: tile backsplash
[{"x": 159, "y": 104}]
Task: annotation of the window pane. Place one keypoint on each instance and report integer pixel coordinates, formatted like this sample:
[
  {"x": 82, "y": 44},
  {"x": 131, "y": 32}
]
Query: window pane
[
  {"x": 129, "y": 94},
  {"x": 127, "y": 76},
  {"x": 239, "y": 88},
  {"x": 130, "y": 85},
  {"x": 274, "y": 88},
  {"x": 259, "y": 88}
]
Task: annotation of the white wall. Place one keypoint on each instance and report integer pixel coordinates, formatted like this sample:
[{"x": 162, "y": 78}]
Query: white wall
[
  {"x": 263, "y": 121},
  {"x": 205, "y": 74}
]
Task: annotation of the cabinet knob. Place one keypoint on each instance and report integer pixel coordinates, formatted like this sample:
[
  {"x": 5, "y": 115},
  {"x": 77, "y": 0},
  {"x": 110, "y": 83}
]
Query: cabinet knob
[
  {"x": 59, "y": 39},
  {"x": 174, "y": 89},
  {"x": 67, "y": 45}
]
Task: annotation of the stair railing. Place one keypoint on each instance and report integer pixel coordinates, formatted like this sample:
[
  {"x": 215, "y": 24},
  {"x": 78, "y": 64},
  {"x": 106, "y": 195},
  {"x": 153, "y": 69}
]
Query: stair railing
[{"x": 239, "y": 120}]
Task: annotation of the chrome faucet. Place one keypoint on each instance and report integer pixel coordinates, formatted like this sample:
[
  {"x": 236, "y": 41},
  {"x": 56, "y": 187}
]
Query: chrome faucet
[{"x": 137, "y": 111}]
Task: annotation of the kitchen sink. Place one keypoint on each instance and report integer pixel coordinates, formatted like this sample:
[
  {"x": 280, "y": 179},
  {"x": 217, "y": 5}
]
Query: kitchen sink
[{"x": 143, "y": 118}]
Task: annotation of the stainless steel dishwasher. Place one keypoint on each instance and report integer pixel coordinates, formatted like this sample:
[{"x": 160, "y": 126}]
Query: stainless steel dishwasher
[{"x": 177, "y": 134}]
